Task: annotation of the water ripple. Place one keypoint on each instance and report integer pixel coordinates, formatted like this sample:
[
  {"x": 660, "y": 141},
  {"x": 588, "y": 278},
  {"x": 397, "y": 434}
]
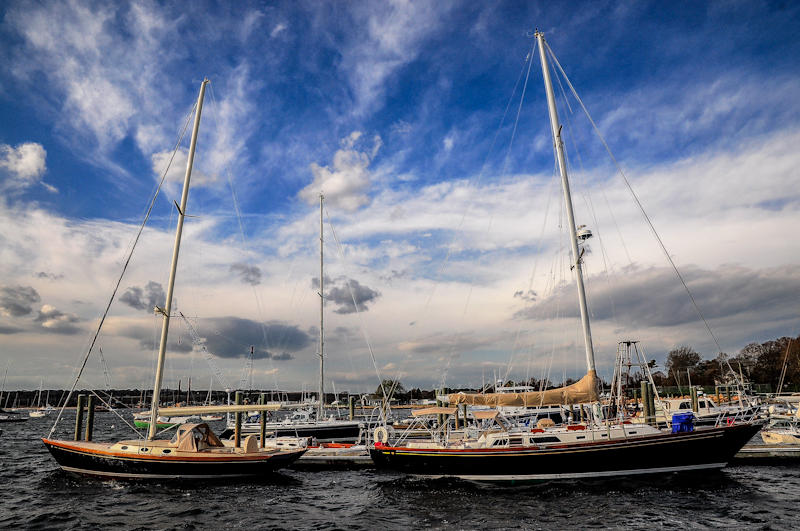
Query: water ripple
[{"x": 35, "y": 494}]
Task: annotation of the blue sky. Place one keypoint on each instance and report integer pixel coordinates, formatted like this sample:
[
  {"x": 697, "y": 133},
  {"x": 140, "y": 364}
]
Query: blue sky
[{"x": 403, "y": 112}]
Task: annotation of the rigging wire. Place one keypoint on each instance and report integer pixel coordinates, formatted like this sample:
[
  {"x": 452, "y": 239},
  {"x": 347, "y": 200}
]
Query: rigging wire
[
  {"x": 529, "y": 59},
  {"x": 532, "y": 277},
  {"x": 478, "y": 180},
  {"x": 644, "y": 213},
  {"x": 519, "y": 109},
  {"x": 590, "y": 204},
  {"x": 236, "y": 208},
  {"x": 124, "y": 268},
  {"x": 340, "y": 249}
]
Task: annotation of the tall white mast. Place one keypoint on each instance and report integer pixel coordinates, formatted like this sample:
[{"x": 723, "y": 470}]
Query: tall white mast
[
  {"x": 162, "y": 349},
  {"x": 562, "y": 165},
  {"x": 321, "y": 405}
]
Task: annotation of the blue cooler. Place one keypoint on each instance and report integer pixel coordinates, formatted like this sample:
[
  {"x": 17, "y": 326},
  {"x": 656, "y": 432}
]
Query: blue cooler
[{"x": 682, "y": 422}]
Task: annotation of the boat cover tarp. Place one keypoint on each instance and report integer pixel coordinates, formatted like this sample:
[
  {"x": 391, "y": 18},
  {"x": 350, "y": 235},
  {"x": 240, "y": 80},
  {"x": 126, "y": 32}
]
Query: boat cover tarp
[
  {"x": 583, "y": 391},
  {"x": 483, "y": 414},
  {"x": 196, "y": 437}
]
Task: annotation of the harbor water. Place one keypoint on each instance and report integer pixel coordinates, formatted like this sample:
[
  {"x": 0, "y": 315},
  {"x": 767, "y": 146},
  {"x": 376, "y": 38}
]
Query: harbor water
[{"x": 36, "y": 494}]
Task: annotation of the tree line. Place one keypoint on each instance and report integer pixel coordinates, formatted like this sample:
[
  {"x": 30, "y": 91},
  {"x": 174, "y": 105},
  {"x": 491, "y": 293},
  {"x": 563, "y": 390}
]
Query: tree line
[
  {"x": 758, "y": 363},
  {"x": 761, "y": 364}
]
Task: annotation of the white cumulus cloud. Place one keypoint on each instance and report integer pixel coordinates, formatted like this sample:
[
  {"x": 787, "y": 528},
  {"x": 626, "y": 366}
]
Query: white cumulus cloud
[
  {"x": 54, "y": 320},
  {"x": 23, "y": 165},
  {"x": 346, "y": 181}
]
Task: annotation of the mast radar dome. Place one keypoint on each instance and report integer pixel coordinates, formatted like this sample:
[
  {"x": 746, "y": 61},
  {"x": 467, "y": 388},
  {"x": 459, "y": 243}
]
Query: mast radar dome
[{"x": 583, "y": 234}]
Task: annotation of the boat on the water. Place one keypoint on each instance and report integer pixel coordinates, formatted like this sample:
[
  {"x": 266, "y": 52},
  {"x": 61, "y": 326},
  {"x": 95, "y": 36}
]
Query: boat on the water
[
  {"x": 302, "y": 423},
  {"x": 40, "y": 411},
  {"x": 142, "y": 420},
  {"x": 505, "y": 452},
  {"x": 194, "y": 451},
  {"x": 499, "y": 451},
  {"x": 783, "y": 428},
  {"x": 708, "y": 413},
  {"x": 210, "y": 417},
  {"x": 309, "y": 422}
]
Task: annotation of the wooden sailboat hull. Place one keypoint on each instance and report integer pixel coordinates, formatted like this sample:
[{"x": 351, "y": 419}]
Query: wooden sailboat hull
[
  {"x": 101, "y": 461},
  {"x": 668, "y": 452}
]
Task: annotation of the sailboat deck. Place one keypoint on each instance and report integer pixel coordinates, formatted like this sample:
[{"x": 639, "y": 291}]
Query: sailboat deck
[{"x": 159, "y": 449}]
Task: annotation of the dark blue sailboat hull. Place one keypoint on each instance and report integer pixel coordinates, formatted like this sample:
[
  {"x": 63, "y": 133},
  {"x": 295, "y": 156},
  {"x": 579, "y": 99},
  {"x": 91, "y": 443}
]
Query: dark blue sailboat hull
[{"x": 667, "y": 452}]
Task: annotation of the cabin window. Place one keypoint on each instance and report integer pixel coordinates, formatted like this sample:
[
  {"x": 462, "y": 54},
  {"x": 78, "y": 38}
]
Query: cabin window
[
  {"x": 123, "y": 447},
  {"x": 581, "y": 437},
  {"x": 703, "y": 403},
  {"x": 166, "y": 451},
  {"x": 685, "y": 405},
  {"x": 500, "y": 442},
  {"x": 515, "y": 441},
  {"x": 547, "y": 439},
  {"x": 632, "y": 432}
]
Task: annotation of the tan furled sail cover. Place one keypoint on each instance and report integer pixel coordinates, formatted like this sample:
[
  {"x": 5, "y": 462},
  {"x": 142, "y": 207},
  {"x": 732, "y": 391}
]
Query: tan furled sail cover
[
  {"x": 196, "y": 437},
  {"x": 582, "y": 391}
]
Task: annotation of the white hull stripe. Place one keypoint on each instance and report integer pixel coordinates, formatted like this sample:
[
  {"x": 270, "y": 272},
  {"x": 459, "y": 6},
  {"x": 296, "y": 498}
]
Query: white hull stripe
[
  {"x": 573, "y": 475},
  {"x": 150, "y": 476}
]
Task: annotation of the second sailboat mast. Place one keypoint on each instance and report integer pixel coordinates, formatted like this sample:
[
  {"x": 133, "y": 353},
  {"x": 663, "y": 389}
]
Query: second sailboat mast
[
  {"x": 320, "y": 407},
  {"x": 573, "y": 237}
]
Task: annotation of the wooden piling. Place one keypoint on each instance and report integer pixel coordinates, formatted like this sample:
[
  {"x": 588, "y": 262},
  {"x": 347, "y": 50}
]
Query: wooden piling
[
  {"x": 79, "y": 417},
  {"x": 464, "y": 408},
  {"x": 695, "y": 400},
  {"x": 237, "y": 433},
  {"x": 263, "y": 400},
  {"x": 645, "y": 405},
  {"x": 439, "y": 417},
  {"x": 90, "y": 418},
  {"x": 351, "y": 407}
]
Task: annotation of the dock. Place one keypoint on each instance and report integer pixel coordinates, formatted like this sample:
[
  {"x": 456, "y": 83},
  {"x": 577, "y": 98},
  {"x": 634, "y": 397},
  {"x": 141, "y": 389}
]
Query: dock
[
  {"x": 754, "y": 454},
  {"x": 333, "y": 459}
]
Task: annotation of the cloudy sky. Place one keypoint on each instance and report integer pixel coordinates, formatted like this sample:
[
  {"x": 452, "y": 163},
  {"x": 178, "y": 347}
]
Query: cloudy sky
[{"x": 425, "y": 125}]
